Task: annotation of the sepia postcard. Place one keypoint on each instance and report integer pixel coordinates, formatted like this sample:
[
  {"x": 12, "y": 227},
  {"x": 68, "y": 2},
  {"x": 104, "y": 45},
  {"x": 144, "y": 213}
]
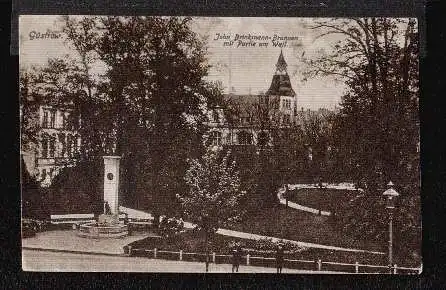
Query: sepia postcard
[{"x": 285, "y": 145}]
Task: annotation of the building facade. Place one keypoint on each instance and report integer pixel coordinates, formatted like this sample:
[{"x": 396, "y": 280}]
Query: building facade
[
  {"x": 56, "y": 145},
  {"x": 249, "y": 119}
]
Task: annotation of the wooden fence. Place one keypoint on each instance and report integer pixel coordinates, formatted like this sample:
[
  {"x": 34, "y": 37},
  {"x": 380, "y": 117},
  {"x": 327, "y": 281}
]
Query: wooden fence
[{"x": 250, "y": 260}]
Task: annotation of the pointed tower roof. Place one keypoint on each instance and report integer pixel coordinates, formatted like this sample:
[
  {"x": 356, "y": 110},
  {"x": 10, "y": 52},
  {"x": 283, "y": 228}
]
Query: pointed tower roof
[
  {"x": 281, "y": 84},
  {"x": 281, "y": 64}
]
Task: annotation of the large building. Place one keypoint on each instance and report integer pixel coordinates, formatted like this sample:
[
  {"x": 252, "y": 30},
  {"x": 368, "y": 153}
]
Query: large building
[
  {"x": 56, "y": 144},
  {"x": 248, "y": 119}
]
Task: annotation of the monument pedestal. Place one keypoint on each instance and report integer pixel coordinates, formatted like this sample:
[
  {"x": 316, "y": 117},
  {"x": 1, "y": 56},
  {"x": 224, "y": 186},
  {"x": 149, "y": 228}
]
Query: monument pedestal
[
  {"x": 108, "y": 225},
  {"x": 111, "y": 182},
  {"x": 108, "y": 219}
]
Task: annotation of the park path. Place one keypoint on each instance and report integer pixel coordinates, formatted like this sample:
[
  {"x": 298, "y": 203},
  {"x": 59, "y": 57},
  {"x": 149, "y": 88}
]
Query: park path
[
  {"x": 68, "y": 240},
  {"x": 53, "y": 261},
  {"x": 340, "y": 186},
  {"x": 297, "y": 206},
  {"x": 250, "y": 236}
]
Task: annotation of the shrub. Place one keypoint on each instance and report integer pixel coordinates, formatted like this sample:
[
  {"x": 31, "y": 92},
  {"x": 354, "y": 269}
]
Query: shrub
[{"x": 170, "y": 227}]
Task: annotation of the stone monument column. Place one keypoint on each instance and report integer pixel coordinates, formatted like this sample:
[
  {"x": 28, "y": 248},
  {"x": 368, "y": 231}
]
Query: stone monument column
[{"x": 111, "y": 182}]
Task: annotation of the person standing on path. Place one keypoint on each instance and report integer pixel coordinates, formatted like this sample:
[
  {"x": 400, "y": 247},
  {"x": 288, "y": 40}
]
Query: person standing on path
[
  {"x": 236, "y": 256},
  {"x": 279, "y": 259}
]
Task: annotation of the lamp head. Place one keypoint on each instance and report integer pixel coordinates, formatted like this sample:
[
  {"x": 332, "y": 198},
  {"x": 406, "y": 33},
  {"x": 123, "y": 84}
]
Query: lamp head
[{"x": 391, "y": 193}]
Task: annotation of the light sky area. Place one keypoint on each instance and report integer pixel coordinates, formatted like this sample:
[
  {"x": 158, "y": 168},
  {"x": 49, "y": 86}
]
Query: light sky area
[{"x": 246, "y": 69}]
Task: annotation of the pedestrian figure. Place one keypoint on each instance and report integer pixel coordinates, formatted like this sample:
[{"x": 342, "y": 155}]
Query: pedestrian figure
[
  {"x": 236, "y": 257},
  {"x": 279, "y": 259}
]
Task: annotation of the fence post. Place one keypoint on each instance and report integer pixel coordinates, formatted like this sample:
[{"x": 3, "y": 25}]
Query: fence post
[
  {"x": 356, "y": 267},
  {"x": 130, "y": 250},
  {"x": 154, "y": 253},
  {"x": 394, "y": 269},
  {"x": 319, "y": 264},
  {"x": 181, "y": 255},
  {"x": 247, "y": 260},
  {"x": 213, "y": 257}
]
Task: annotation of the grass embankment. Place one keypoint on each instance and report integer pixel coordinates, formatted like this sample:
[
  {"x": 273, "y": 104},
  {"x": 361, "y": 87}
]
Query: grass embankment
[
  {"x": 321, "y": 198},
  {"x": 192, "y": 242},
  {"x": 282, "y": 222}
]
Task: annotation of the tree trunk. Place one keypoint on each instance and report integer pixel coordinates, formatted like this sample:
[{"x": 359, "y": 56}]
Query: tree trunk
[{"x": 206, "y": 249}]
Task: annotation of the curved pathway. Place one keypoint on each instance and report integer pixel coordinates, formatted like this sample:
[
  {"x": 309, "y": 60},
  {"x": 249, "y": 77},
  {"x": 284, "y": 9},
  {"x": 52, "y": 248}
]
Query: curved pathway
[
  {"x": 340, "y": 186},
  {"x": 297, "y": 206}
]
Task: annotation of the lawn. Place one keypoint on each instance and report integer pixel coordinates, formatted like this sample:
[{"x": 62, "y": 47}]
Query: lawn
[
  {"x": 321, "y": 198},
  {"x": 282, "y": 222}
]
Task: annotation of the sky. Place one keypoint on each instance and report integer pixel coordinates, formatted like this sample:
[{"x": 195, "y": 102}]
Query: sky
[{"x": 247, "y": 69}]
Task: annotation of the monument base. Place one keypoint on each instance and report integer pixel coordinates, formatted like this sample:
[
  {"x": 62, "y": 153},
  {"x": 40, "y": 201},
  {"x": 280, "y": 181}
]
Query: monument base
[{"x": 107, "y": 226}]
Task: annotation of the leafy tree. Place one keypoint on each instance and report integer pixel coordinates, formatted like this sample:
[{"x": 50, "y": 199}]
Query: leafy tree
[
  {"x": 376, "y": 134},
  {"x": 316, "y": 129},
  {"x": 214, "y": 194},
  {"x": 29, "y": 109},
  {"x": 148, "y": 105}
]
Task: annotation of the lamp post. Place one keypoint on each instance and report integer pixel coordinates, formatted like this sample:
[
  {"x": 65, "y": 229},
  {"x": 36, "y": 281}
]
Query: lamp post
[{"x": 390, "y": 194}]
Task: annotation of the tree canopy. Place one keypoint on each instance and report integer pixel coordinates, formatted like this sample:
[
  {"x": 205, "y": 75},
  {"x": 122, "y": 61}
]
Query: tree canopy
[
  {"x": 138, "y": 85},
  {"x": 376, "y": 134},
  {"x": 214, "y": 193}
]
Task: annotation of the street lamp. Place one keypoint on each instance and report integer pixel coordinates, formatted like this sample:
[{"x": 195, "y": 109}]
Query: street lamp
[{"x": 390, "y": 194}]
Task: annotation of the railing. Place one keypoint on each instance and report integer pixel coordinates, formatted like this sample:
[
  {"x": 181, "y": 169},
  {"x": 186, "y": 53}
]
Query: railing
[{"x": 315, "y": 265}]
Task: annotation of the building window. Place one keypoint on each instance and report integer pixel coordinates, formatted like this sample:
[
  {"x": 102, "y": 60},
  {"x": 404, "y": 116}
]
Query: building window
[
  {"x": 70, "y": 122},
  {"x": 263, "y": 138},
  {"x": 52, "y": 119},
  {"x": 69, "y": 148},
  {"x": 44, "y": 146},
  {"x": 215, "y": 117},
  {"x": 43, "y": 175},
  {"x": 64, "y": 120},
  {"x": 244, "y": 138},
  {"x": 52, "y": 146},
  {"x": 63, "y": 145},
  {"x": 45, "y": 122},
  {"x": 216, "y": 138},
  {"x": 287, "y": 104},
  {"x": 75, "y": 147},
  {"x": 229, "y": 138}
]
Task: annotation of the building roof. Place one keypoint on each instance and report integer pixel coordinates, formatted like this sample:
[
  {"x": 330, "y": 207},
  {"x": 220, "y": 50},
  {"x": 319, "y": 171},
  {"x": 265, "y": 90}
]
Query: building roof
[
  {"x": 281, "y": 64},
  {"x": 239, "y": 99},
  {"x": 281, "y": 86},
  {"x": 281, "y": 83}
]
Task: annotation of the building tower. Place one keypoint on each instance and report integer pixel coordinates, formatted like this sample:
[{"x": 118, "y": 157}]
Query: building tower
[{"x": 281, "y": 89}]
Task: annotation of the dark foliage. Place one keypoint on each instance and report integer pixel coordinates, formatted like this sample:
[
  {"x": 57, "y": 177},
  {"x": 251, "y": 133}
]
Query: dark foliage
[
  {"x": 33, "y": 196},
  {"x": 78, "y": 189}
]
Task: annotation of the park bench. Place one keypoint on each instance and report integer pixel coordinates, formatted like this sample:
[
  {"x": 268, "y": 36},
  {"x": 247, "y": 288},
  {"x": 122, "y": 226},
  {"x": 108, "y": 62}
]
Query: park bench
[
  {"x": 71, "y": 219},
  {"x": 135, "y": 222}
]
